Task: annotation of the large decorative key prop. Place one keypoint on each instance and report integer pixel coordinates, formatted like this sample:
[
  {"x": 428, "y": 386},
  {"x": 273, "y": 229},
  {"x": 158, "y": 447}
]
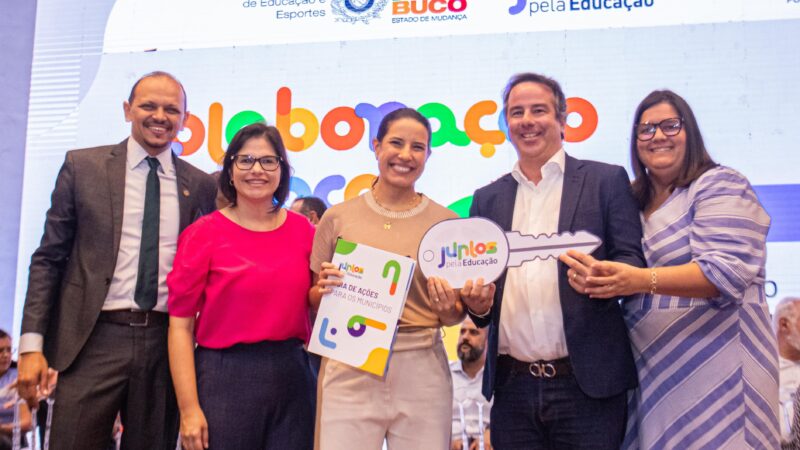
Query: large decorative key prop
[{"x": 467, "y": 249}]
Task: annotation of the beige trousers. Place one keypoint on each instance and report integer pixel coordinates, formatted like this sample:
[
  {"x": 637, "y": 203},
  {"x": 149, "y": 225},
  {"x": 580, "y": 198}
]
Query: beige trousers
[{"x": 410, "y": 407}]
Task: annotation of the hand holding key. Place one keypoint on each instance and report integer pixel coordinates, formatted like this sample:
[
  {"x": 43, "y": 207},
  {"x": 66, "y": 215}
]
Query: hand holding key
[
  {"x": 580, "y": 269},
  {"x": 478, "y": 296},
  {"x": 603, "y": 279}
]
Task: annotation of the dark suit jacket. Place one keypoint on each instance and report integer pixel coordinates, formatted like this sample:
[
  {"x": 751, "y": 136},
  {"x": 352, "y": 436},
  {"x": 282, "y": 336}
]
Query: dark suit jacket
[
  {"x": 596, "y": 197},
  {"x": 71, "y": 270}
]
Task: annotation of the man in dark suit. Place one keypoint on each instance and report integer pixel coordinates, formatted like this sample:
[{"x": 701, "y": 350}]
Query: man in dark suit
[
  {"x": 559, "y": 363},
  {"x": 96, "y": 303}
]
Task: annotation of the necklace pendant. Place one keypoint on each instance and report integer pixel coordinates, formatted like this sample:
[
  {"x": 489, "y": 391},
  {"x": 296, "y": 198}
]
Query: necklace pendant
[{"x": 387, "y": 225}]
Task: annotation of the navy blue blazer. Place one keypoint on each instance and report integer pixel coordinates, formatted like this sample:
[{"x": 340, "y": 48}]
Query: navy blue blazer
[{"x": 596, "y": 197}]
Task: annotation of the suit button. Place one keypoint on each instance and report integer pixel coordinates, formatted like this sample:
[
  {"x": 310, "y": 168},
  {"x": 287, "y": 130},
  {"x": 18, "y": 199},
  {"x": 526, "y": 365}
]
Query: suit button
[{"x": 108, "y": 281}]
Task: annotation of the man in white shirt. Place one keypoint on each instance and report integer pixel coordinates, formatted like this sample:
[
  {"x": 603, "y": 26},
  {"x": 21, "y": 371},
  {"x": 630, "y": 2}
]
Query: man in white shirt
[
  {"x": 559, "y": 364},
  {"x": 96, "y": 306},
  {"x": 785, "y": 323},
  {"x": 470, "y": 407}
]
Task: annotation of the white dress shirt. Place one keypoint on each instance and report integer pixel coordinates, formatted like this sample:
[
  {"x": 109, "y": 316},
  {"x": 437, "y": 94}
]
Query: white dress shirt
[
  {"x": 123, "y": 283},
  {"x": 789, "y": 380},
  {"x": 531, "y": 322},
  {"x": 467, "y": 393}
]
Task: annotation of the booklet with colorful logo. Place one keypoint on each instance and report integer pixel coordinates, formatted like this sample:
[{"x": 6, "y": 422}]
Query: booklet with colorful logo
[{"x": 356, "y": 323}]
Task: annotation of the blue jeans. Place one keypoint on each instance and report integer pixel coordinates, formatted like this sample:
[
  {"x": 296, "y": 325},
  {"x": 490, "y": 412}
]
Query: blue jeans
[{"x": 538, "y": 413}]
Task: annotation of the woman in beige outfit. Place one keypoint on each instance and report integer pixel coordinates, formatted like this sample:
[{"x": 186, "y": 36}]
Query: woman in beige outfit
[{"x": 410, "y": 407}]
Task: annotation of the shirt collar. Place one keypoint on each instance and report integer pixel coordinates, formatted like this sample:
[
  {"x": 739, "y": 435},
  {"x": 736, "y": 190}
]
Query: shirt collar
[
  {"x": 785, "y": 363},
  {"x": 554, "y": 165},
  {"x": 137, "y": 154},
  {"x": 458, "y": 366}
]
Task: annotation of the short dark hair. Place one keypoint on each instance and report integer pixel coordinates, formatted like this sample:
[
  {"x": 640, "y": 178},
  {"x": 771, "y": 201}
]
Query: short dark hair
[
  {"x": 315, "y": 204},
  {"x": 403, "y": 113},
  {"x": 255, "y": 131},
  {"x": 158, "y": 74},
  {"x": 531, "y": 77},
  {"x": 3, "y": 334},
  {"x": 696, "y": 160}
]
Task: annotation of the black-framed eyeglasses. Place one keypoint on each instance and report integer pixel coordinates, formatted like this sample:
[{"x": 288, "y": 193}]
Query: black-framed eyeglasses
[
  {"x": 670, "y": 127},
  {"x": 246, "y": 162}
]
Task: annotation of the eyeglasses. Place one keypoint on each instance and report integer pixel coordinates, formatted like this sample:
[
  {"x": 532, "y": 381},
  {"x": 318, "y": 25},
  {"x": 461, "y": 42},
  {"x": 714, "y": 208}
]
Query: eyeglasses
[
  {"x": 246, "y": 162},
  {"x": 670, "y": 127}
]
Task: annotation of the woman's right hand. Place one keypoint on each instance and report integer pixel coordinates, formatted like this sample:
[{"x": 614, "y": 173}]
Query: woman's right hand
[
  {"x": 194, "y": 429},
  {"x": 603, "y": 279},
  {"x": 328, "y": 278}
]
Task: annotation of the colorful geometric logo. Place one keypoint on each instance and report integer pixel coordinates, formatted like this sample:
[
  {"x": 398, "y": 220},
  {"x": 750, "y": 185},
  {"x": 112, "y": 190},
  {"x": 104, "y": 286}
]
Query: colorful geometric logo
[
  {"x": 357, "y": 325},
  {"x": 352, "y": 11},
  {"x": 516, "y": 9},
  {"x": 323, "y": 334},
  {"x": 392, "y": 264}
]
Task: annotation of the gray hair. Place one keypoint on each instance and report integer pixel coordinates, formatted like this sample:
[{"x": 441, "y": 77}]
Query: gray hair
[{"x": 787, "y": 307}]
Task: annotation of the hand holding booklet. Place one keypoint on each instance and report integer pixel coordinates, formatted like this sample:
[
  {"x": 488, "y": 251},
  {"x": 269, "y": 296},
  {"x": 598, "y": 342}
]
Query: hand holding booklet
[{"x": 357, "y": 322}]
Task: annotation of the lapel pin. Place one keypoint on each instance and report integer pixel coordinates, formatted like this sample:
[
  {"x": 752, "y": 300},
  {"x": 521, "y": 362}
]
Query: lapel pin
[{"x": 185, "y": 192}]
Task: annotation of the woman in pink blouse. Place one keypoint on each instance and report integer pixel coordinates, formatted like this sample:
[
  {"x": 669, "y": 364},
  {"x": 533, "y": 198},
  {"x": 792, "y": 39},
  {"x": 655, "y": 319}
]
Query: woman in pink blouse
[{"x": 239, "y": 290}]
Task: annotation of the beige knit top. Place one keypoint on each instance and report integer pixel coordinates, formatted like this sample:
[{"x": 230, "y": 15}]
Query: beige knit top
[{"x": 364, "y": 221}]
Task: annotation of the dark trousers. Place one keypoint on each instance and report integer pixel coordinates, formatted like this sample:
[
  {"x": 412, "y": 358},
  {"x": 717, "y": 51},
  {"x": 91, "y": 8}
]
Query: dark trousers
[
  {"x": 120, "y": 369},
  {"x": 539, "y": 413},
  {"x": 257, "y": 396}
]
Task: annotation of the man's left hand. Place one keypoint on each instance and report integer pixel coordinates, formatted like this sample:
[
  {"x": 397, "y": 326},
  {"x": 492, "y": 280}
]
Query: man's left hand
[
  {"x": 602, "y": 279},
  {"x": 581, "y": 267},
  {"x": 477, "y": 296}
]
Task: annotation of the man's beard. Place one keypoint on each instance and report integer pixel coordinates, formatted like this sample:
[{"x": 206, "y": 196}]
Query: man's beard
[{"x": 471, "y": 355}]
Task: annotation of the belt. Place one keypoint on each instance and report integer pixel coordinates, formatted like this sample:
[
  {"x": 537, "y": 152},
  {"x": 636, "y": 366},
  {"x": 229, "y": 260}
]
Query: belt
[
  {"x": 539, "y": 369},
  {"x": 135, "y": 318}
]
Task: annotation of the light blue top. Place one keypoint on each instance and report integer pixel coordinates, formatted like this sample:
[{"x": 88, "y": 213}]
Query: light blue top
[{"x": 707, "y": 366}]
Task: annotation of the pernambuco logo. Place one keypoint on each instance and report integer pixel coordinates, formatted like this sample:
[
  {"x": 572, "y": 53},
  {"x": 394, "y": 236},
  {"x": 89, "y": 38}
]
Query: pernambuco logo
[{"x": 353, "y": 11}]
